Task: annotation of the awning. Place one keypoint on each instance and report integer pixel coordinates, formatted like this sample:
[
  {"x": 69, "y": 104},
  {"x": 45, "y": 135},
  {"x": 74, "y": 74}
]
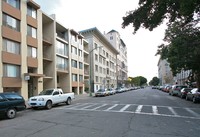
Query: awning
[{"x": 34, "y": 75}]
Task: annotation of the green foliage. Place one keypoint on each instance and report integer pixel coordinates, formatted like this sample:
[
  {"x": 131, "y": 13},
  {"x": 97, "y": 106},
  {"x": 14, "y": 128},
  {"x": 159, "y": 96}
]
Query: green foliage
[
  {"x": 155, "y": 81},
  {"x": 138, "y": 81},
  {"x": 183, "y": 48},
  {"x": 151, "y": 13}
]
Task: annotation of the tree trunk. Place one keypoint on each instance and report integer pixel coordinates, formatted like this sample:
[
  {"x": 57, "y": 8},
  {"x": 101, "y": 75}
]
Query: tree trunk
[{"x": 197, "y": 77}]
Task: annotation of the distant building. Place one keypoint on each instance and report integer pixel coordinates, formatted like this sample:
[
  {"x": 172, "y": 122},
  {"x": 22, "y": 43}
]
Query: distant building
[
  {"x": 164, "y": 72},
  {"x": 103, "y": 60},
  {"x": 122, "y": 65}
]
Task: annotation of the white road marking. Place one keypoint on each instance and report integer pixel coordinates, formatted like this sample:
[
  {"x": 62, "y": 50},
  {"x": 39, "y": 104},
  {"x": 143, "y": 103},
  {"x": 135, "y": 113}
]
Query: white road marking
[
  {"x": 172, "y": 110},
  {"x": 111, "y": 107},
  {"x": 89, "y": 106},
  {"x": 139, "y": 109},
  {"x": 99, "y": 107},
  {"x": 124, "y": 108},
  {"x": 155, "y": 110},
  {"x": 192, "y": 112}
]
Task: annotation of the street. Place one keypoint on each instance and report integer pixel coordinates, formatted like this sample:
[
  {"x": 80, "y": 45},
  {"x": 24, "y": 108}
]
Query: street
[{"x": 138, "y": 113}]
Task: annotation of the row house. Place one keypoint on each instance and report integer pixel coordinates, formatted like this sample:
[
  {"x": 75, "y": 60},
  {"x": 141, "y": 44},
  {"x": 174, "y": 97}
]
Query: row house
[
  {"x": 103, "y": 60},
  {"x": 37, "y": 52}
]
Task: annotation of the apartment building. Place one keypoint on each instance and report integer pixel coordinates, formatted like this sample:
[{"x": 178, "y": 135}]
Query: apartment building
[
  {"x": 122, "y": 66},
  {"x": 21, "y": 53},
  {"x": 38, "y": 52},
  {"x": 103, "y": 60},
  {"x": 164, "y": 72}
]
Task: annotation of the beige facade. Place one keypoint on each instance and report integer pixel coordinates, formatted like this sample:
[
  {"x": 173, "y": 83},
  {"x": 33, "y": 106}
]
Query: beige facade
[
  {"x": 103, "y": 58},
  {"x": 122, "y": 66},
  {"x": 21, "y": 37},
  {"x": 37, "y": 52},
  {"x": 164, "y": 72}
]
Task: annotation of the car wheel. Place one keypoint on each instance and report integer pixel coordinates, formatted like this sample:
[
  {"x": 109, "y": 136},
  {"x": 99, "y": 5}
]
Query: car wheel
[
  {"x": 181, "y": 95},
  {"x": 11, "y": 113},
  {"x": 186, "y": 98},
  {"x": 194, "y": 100},
  {"x": 69, "y": 101},
  {"x": 35, "y": 108},
  {"x": 49, "y": 104}
]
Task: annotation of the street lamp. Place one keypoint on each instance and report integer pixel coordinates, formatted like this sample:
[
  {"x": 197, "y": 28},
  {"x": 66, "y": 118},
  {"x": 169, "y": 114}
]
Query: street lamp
[{"x": 90, "y": 54}]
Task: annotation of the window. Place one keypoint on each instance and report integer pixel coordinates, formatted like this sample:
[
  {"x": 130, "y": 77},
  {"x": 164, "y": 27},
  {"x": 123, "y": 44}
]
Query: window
[
  {"x": 80, "y": 78},
  {"x": 100, "y": 69},
  {"x": 100, "y": 59},
  {"x": 111, "y": 37},
  {"x": 10, "y": 70},
  {"x": 32, "y": 52},
  {"x": 80, "y": 65},
  {"x": 107, "y": 71},
  {"x": 14, "y": 3},
  {"x": 73, "y": 37},
  {"x": 80, "y": 41},
  {"x": 31, "y": 31},
  {"x": 96, "y": 57},
  {"x": 61, "y": 63},
  {"x": 11, "y": 46},
  {"x": 74, "y": 50},
  {"x": 107, "y": 63},
  {"x": 74, "y": 63},
  {"x": 95, "y": 45},
  {"x": 61, "y": 48},
  {"x": 11, "y": 22},
  {"x": 97, "y": 79},
  {"x": 74, "y": 77},
  {"x": 96, "y": 68},
  {"x": 31, "y": 11},
  {"x": 80, "y": 53},
  {"x": 13, "y": 97}
]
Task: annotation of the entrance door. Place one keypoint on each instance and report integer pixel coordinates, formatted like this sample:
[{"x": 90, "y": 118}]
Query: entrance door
[{"x": 30, "y": 87}]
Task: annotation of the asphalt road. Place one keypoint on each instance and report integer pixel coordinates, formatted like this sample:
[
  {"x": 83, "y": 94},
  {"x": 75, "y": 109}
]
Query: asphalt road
[{"x": 138, "y": 113}]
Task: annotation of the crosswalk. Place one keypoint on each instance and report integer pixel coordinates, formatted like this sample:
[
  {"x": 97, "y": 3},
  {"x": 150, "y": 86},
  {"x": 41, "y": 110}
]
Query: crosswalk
[{"x": 166, "y": 111}]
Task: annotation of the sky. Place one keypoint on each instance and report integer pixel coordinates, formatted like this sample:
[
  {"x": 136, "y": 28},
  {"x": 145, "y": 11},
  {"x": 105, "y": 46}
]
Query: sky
[{"x": 107, "y": 15}]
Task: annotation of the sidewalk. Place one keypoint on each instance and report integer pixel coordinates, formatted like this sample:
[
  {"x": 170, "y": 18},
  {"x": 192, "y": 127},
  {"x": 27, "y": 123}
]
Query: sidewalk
[{"x": 83, "y": 96}]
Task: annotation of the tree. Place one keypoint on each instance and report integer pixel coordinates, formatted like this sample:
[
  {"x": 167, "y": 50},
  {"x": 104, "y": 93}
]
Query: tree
[
  {"x": 138, "y": 81},
  {"x": 183, "y": 48},
  {"x": 155, "y": 81},
  {"x": 152, "y": 13},
  {"x": 182, "y": 37}
]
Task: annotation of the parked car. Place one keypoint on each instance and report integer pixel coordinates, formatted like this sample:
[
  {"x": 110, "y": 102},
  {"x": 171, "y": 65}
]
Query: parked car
[
  {"x": 111, "y": 91},
  {"x": 193, "y": 95},
  {"x": 10, "y": 104},
  {"x": 119, "y": 90},
  {"x": 184, "y": 92},
  {"x": 101, "y": 92},
  {"x": 49, "y": 97},
  {"x": 176, "y": 90}
]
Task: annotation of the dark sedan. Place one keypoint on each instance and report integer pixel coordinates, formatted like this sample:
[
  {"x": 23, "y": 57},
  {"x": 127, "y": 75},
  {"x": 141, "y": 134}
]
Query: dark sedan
[
  {"x": 193, "y": 95},
  {"x": 10, "y": 103}
]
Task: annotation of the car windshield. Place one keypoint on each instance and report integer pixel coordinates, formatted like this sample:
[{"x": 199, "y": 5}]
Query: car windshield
[
  {"x": 46, "y": 92},
  {"x": 101, "y": 90},
  {"x": 187, "y": 89}
]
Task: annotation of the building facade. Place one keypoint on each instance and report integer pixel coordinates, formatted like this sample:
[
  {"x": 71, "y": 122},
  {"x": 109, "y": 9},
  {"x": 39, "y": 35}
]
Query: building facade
[
  {"x": 103, "y": 60},
  {"x": 38, "y": 52},
  {"x": 165, "y": 73},
  {"x": 122, "y": 66}
]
